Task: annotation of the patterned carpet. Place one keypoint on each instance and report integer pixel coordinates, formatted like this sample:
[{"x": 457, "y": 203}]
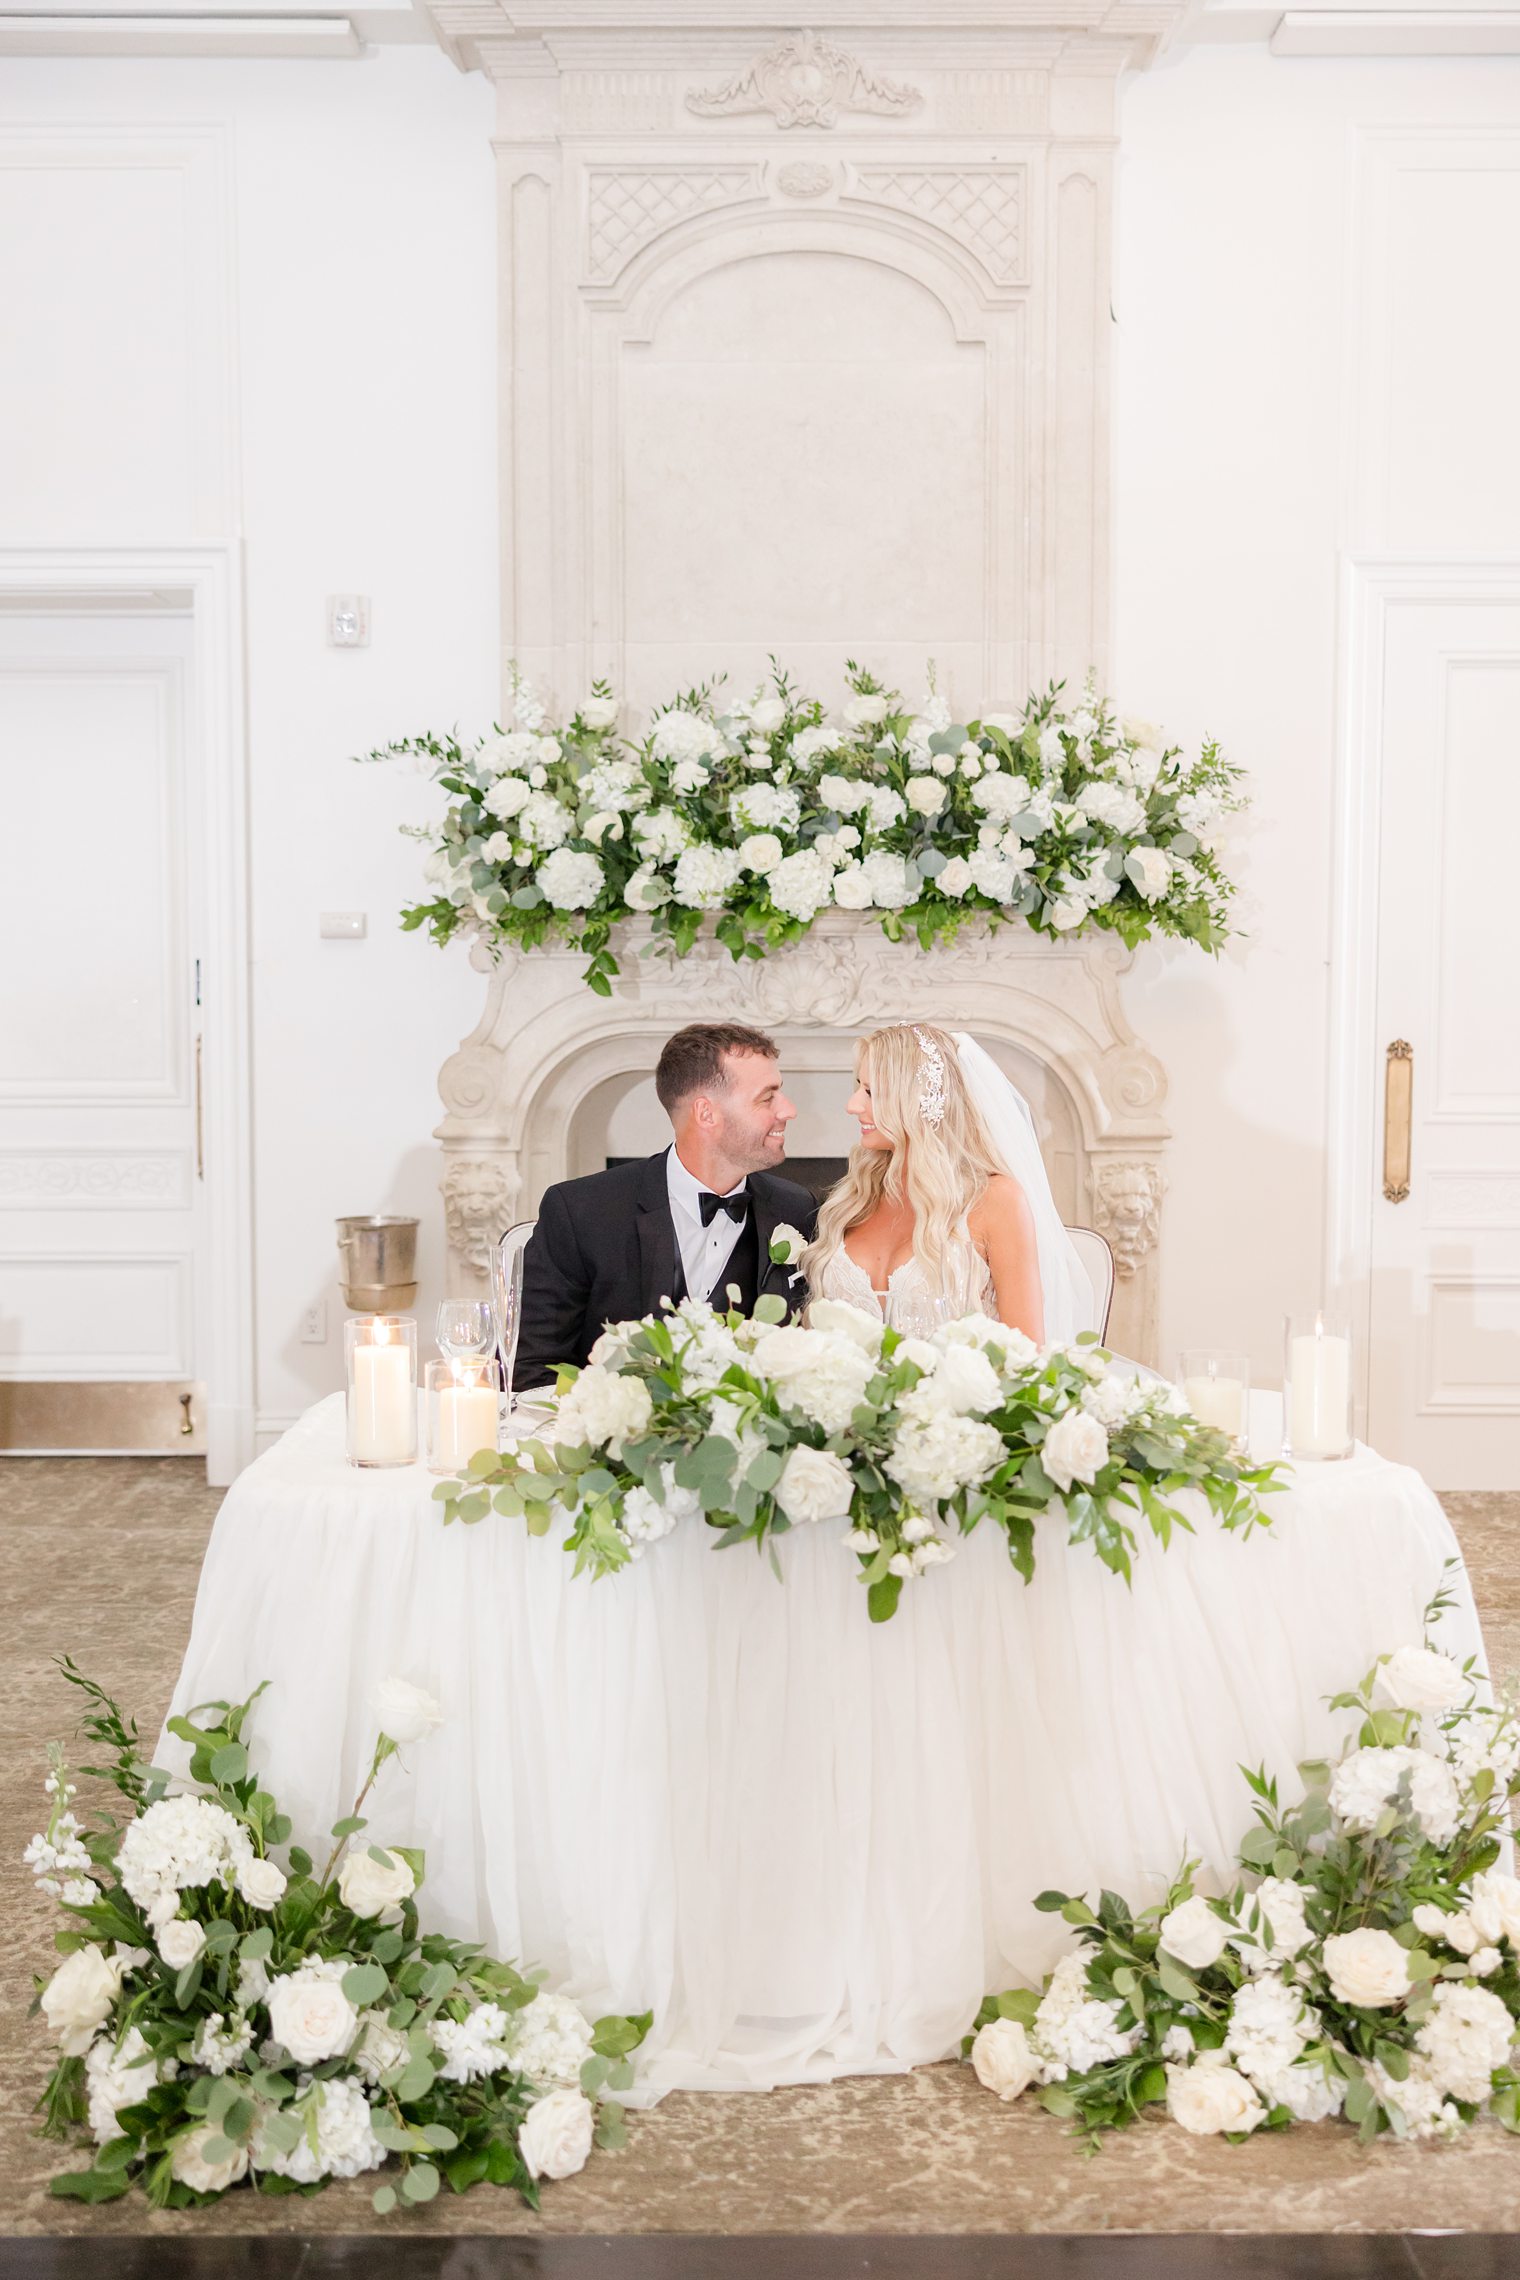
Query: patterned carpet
[{"x": 100, "y": 1559}]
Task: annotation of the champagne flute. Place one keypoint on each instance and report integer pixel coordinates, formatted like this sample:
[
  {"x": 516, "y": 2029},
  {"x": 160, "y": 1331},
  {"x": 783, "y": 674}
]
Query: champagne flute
[
  {"x": 465, "y": 1328},
  {"x": 918, "y": 1313},
  {"x": 507, "y": 1282}
]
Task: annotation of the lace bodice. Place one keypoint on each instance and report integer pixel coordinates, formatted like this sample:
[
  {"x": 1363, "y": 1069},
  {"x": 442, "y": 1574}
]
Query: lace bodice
[{"x": 967, "y": 1282}]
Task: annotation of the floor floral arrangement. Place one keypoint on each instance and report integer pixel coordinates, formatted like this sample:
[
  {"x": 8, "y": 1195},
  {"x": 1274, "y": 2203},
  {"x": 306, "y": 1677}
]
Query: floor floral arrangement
[
  {"x": 1366, "y": 1963},
  {"x": 221, "y": 2018},
  {"x": 754, "y": 1426},
  {"x": 761, "y": 812}
]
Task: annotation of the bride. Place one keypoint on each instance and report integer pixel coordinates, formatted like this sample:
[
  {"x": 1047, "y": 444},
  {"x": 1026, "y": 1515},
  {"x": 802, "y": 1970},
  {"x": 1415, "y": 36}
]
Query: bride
[{"x": 945, "y": 1209}]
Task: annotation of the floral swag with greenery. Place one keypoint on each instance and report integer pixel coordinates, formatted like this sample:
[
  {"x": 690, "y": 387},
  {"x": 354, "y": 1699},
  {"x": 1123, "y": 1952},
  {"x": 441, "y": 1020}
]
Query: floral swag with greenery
[
  {"x": 760, "y": 813},
  {"x": 221, "y": 2018},
  {"x": 754, "y": 1426},
  {"x": 1366, "y": 1962}
]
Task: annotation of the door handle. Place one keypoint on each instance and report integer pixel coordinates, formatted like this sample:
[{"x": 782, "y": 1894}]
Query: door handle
[{"x": 1398, "y": 1105}]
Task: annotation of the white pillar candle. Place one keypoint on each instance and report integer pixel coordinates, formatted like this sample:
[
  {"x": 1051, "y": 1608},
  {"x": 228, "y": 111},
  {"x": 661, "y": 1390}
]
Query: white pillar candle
[
  {"x": 385, "y": 1405},
  {"x": 1319, "y": 1385},
  {"x": 467, "y": 1422},
  {"x": 1217, "y": 1401}
]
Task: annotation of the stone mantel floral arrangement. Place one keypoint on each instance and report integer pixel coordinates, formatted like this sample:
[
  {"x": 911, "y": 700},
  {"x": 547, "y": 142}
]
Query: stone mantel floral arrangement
[{"x": 756, "y": 814}]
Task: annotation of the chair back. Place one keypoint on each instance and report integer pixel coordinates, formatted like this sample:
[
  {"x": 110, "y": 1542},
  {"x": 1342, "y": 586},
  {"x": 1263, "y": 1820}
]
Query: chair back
[
  {"x": 515, "y": 1239},
  {"x": 1097, "y": 1259}
]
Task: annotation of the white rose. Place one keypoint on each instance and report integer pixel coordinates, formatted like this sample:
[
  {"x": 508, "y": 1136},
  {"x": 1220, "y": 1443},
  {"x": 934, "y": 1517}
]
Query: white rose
[
  {"x": 787, "y": 1243},
  {"x": 1194, "y": 1934},
  {"x": 406, "y": 1713},
  {"x": 1002, "y": 2059},
  {"x": 571, "y": 879},
  {"x": 1367, "y": 1968},
  {"x": 188, "y": 2163},
  {"x": 926, "y": 795},
  {"x": 508, "y": 796},
  {"x": 815, "y": 1485},
  {"x": 761, "y": 852},
  {"x": 1075, "y": 1448},
  {"x": 846, "y": 1321},
  {"x": 599, "y": 712},
  {"x": 1066, "y": 913},
  {"x": 556, "y": 2135},
  {"x": 1417, "y": 1678},
  {"x": 1206, "y": 2099},
  {"x": 967, "y": 1380},
  {"x": 310, "y": 2017},
  {"x": 766, "y": 715},
  {"x": 498, "y": 848},
  {"x": 866, "y": 712},
  {"x": 78, "y": 1998},
  {"x": 1151, "y": 870},
  {"x": 1494, "y": 1906},
  {"x": 369, "y": 1886},
  {"x": 180, "y": 1942},
  {"x": 852, "y": 887},
  {"x": 261, "y": 1883}
]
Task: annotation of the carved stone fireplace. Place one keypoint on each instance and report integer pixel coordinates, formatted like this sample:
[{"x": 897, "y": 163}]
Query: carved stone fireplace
[{"x": 529, "y": 1095}]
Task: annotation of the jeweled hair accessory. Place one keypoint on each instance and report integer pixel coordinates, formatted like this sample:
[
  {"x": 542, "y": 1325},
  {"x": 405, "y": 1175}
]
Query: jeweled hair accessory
[{"x": 931, "y": 1091}]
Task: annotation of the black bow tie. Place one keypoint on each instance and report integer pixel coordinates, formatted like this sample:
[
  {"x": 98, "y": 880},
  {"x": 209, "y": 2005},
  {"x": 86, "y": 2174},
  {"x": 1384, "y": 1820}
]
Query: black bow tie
[{"x": 736, "y": 1205}]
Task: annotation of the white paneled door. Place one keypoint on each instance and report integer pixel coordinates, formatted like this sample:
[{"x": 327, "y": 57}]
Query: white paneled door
[
  {"x": 1443, "y": 735},
  {"x": 100, "y": 1044}
]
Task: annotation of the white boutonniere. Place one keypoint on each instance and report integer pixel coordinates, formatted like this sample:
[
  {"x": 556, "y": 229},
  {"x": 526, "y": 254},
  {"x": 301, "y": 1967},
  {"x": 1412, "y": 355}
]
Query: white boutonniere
[{"x": 787, "y": 1245}]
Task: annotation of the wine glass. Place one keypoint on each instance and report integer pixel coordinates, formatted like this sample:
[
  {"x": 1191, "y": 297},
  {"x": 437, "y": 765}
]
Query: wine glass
[
  {"x": 507, "y": 1282},
  {"x": 918, "y": 1313},
  {"x": 465, "y": 1328}
]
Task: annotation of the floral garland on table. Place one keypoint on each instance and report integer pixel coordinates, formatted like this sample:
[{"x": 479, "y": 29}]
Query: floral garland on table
[
  {"x": 221, "y": 2018},
  {"x": 1367, "y": 1963},
  {"x": 756, "y": 1427},
  {"x": 762, "y": 813}
]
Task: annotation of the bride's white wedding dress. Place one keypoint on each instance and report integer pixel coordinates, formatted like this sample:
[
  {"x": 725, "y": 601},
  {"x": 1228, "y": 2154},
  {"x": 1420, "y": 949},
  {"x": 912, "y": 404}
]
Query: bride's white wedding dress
[{"x": 965, "y": 1285}]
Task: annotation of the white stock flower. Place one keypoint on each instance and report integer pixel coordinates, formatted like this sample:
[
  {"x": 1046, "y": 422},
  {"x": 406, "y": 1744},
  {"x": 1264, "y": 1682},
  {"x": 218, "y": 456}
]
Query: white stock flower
[
  {"x": 369, "y": 1887},
  {"x": 309, "y": 2014},
  {"x": 867, "y": 711},
  {"x": 1151, "y": 870},
  {"x": 345, "y": 2134},
  {"x": 925, "y": 795},
  {"x": 814, "y": 1485},
  {"x": 570, "y": 879},
  {"x": 1468, "y": 2034},
  {"x": 1418, "y": 1678},
  {"x": 1367, "y": 1968},
  {"x": 684, "y": 736},
  {"x": 1369, "y": 1779},
  {"x": 1052, "y": 747},
  {"x": 1003, "y": 2060},
  {"x": 802, "y": 884},
  {"x": 508, "y": 796},
  {"x": 1269, "y": 2025},
  {"x": 180, "y": 1942},
  {"x": 1075, "y": 1449},
  {"x": 261, "y": 1883},
  {"x": 603, "y": 1409},
  {"x": 817, "y": 1372},
  {"x": 77, "y": 1999},
  {"x": 404, "y": 1712},
  {"x": 760, "y": 852},
  {"x": 933, "y": 1458},
  {"x": 705, "y": 876},
  {"x": 1209, "y": 2097},
  {"x": 188, "y": 2163},
  {"x": 557, "y": 2134},
  {"x": 1194, "y": 1934},
  {"x": 116, "y": 2077}
]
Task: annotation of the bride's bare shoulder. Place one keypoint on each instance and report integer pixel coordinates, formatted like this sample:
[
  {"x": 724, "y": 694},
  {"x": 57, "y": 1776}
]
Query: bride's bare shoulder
[{"x": 1002, "y": 1208}]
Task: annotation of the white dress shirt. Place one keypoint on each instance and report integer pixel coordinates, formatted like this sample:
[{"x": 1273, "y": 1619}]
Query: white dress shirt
[{"x": 705, "y": 1251}]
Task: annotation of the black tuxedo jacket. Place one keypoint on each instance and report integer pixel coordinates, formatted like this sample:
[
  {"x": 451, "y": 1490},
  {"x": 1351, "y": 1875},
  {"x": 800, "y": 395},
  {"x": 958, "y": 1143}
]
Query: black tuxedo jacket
[{"x": 605, "y": 1250}]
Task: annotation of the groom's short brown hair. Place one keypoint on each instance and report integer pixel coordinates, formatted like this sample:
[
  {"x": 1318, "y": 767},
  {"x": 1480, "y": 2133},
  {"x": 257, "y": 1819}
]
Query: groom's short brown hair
[{"x": 692, "y": 1060}]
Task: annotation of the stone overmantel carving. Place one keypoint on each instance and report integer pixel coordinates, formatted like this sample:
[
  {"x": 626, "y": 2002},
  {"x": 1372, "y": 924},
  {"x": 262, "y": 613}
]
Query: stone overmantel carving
[
  {"x": 805, "y": 82},
  {"x": 546, "y": 1044}
]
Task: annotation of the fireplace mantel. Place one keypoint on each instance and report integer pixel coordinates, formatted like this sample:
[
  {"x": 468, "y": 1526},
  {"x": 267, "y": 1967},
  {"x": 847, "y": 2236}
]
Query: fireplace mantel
[{"x": 545, "y": 1043}]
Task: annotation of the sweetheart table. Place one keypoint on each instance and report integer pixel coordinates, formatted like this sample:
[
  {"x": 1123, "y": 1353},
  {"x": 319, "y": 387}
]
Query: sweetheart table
[{"x": 809, "y": 1844}]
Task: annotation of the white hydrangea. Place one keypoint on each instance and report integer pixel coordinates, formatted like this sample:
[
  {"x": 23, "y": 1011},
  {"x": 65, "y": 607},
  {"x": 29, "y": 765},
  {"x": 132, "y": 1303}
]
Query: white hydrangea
[
  {"x": 1281, "y": 1903},
  {"x": 1468, "y": 2034},
  {"x": 1420, "y": 2100},
  {"x": 1310, "y": 2093},
  {"x": 802, "y": 884},
  {"x": 933, "y": 1458},
  {"x": 811, "y": 744},
  {"x": 178, "y": 1843},
  {"x": 379, "y": 2048},
  {"x": 119, "y": 2077},
  {"x": 884, "y": 808},
  {"x": 1365, "y": 1782},
  {"x": 993, "y": 874},
  {"x": 549, "y": 2041},
  {"x": 613, "y": 784},
  {"x": 472, "y": 2047},
  {"x": 661, "y": 834},
  {"x": 1269, "y": 2025},
  {"x": 890, "y": 883},
  {"x": 706, "y": 876},
  {"x": 221, "y": 2044},
  {"x": 1002, "y": 797},
  {"x": 817, "y": 1372},
  {"x": 645, "y": 1519},
  {"x": 837, "y": 846},
  {"x": 1073, "y": 2030},
  {"x": 544, "y": 823},
  {"x": 1052, "y": 747},
  {"x": 570, "y": 879},
  {"x": 1111, "y": 804},
  {"x": 846, "y": 794},
  {"x": 680, "y": 735},
  {"x": 764, "y": 807},
  {"x": 346, "y": 2141},
  {"x": 603, "y": 1409}
]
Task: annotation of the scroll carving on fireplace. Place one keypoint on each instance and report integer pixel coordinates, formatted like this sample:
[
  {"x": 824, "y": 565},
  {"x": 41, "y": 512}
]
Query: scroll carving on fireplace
[
  {"x": 479, "y": 1200},
  {"x": 1127, "y": 1209},
  {"x": 805, "y": 82}
]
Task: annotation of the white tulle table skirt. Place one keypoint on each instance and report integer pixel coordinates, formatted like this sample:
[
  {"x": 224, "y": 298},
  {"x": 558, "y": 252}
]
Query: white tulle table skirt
[{"x": 807, "y": 1843}]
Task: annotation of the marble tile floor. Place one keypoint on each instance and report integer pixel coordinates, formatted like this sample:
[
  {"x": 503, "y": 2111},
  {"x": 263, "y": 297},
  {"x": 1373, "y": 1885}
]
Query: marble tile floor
[{"x": 100, "y": 1557}]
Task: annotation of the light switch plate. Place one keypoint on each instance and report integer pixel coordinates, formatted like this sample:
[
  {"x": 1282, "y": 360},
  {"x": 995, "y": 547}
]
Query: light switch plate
[
  {"x": 348, "y": 621},
  {"x": 344, "y": 925}
]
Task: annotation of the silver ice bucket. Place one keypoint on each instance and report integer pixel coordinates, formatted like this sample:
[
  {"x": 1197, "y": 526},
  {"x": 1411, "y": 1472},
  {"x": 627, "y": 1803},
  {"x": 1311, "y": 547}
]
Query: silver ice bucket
[{"x": 379, "y": 1269}]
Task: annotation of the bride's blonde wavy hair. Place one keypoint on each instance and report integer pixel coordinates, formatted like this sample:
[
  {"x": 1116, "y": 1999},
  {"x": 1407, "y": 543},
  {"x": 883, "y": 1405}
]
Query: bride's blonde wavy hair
[{"x": 939, "y": 1169}]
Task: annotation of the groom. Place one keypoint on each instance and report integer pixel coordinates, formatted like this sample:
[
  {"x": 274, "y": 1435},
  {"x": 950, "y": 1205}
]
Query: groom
[{"x": 686, "y": 1223}]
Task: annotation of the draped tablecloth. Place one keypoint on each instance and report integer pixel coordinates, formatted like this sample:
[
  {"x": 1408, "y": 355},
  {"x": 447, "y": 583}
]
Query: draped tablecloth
[{"x": 808, "y": 1843}]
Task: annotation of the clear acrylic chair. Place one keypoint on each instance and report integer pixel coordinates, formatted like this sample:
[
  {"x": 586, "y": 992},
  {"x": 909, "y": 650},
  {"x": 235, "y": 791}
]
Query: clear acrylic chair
[{"x": 1096, "y": 1255}]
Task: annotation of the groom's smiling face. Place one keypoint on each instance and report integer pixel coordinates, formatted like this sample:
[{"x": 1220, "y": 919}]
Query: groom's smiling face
[{"x": 750, "y": 1117}]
